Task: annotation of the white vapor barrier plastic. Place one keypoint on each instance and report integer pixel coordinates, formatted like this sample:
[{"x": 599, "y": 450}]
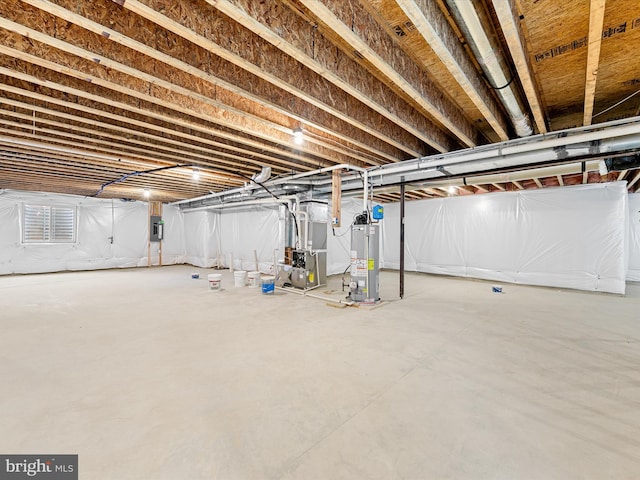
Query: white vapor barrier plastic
[
  {"x": 572, "y": 237},
  {"x": 339, "y": 245},
  {"x": 201, "y": 234},
  {"x": 98, "y": 220},
  {"x": 633, "y": 274},
  {"x": 173, "y": 243},
  {"x": 248, "y": 230}
]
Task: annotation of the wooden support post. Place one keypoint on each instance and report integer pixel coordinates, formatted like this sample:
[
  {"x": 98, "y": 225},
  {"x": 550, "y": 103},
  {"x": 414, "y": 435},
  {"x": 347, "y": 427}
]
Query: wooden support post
[
  {"x": 336, "y": 197},
  {"x": 155, "y": 209},
  {"x": 596, "y": 22}
]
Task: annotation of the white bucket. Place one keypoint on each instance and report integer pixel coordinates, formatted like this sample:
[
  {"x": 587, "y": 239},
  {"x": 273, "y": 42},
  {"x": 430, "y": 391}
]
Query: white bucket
[
  {"x": 215, "y": 281},
  {"x": 240, "y": 278},
  {"x": 254, "y": 279}
]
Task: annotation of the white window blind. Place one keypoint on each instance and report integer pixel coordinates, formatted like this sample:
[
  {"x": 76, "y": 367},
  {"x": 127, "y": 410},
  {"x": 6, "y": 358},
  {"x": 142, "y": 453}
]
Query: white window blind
[{"x": 44, "y": 224}]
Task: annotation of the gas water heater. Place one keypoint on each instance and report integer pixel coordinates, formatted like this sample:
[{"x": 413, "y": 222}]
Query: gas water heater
[{"x": 364, "y": 286}]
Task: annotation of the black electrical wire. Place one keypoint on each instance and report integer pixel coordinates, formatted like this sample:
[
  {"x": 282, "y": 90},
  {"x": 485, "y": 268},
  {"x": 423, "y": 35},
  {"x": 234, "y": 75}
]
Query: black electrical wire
[
  {"x": 295, "y": 219},
  {"x": 498, "y": 88},
  {"x": 223, "y": 170},
  {"x": 160, "y": 169},
  {"x": 134, "y": 174}
]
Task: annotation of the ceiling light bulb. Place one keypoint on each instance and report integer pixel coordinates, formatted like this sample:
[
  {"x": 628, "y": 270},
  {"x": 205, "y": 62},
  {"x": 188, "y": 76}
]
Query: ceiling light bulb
[
  {"x": 196, "y": 174},
  {"x": 451, "y": 189},
  {"x": 146, "y": 193},
  {"x": 297, "y": 135}
]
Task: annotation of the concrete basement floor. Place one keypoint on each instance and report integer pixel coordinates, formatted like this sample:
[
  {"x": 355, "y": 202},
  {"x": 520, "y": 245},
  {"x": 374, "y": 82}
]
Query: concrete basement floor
[{"x": 146, "y": 374}]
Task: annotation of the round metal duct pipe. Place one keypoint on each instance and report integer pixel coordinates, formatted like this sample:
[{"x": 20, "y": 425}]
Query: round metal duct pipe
[
  {"x": 487, "y": 50},
  {"x": 263, "y": 176}
]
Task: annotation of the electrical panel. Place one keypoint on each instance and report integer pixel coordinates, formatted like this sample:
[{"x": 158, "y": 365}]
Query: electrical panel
[{"x": 156, "y": 228}]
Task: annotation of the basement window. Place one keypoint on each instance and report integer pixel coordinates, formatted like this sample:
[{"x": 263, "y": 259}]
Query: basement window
[{"x": 46, "y": 224}]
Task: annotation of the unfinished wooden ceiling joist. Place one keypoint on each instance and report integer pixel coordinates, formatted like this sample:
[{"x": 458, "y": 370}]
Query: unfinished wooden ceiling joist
[{"x": 92, "y": 91}]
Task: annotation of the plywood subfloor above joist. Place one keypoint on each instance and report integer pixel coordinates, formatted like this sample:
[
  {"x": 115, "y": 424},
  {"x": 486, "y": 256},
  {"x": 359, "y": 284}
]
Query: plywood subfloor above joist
[{"x": 222, "y": 86}]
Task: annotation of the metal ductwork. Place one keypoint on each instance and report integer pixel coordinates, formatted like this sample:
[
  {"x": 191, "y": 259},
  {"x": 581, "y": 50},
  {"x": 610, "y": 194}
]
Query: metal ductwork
[
  {"x": 486, "y": 49},
  {"x": 263, "y": 176},
  {"x": 618, "y": 139},
  {"x": 564, "y": 152},
  {"x": 625, "y": 162}
]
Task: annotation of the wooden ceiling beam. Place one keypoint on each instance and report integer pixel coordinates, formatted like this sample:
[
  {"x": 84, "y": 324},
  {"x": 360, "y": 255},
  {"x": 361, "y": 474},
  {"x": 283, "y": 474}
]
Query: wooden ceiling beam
[
  {"x": 434, "y": 28},
  {"x": 276, "y": 67},
  {"x": 499, "y": 187},
  {"x": 182, "y": 153},
  {"x": 275, "y": 24},
  {"x": 634, "y": 181},
  {"x": 30, "y": 166},
  {"x": 538, "y": 182},
  {"x": 37, "y": 131},
  {"x": 248, "y": 156},
  {"x": 445, "y": 191},
  {"x": 507, "y": 14},
  {"x": 371, "y": 42},
  {"x": 166, "y": 117},
  {"x": 213, "y": 72},
  {"x": 34, "y": 160},
  {"x": 110, "y": 148},
  {"x": 467, "y": 189},
  {"x": 80, "y": 187},
  {"x": 188, "y": 105},
  {"x": 411, "y": 194},
  {"x": 389, "y": 195},
  {"x": 596, "y": 22},
  {"x": 435, "y": 192},
  {"x": 517, "y": 184},
  {"x": 43, "y": 134},
  {"x": 560, "y": 180},
  {"x": 223, "y": 110}
]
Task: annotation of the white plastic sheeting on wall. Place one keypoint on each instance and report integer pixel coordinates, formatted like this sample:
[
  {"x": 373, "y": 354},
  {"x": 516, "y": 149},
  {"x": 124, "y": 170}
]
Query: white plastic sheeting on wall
[
  {"x": 567, "y": 237},
  {"x": 571, "y": 237},
  {"x": 110, "y": 233},
  {"x": 202, "y": 238},
  {"x": 633, "y": 274},
  {"x": 249, "y": 231},
  {"x": 173, "y": 243}
]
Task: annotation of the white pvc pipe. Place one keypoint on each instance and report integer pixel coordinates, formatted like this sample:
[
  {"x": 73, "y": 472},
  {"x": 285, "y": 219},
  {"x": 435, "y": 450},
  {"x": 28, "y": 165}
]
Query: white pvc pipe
[
  {"x": 305, "y": 242},
  {"x": 319, "y": 297},
  {"x": 259, "y": 201},
  {"x": 507, "y": 154},
  {"x": 276, "y": 181},
  {"x": 491, "y": 61},
  {"x": 613, "y": 136},
  {"x": 365, "y": 192}
]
